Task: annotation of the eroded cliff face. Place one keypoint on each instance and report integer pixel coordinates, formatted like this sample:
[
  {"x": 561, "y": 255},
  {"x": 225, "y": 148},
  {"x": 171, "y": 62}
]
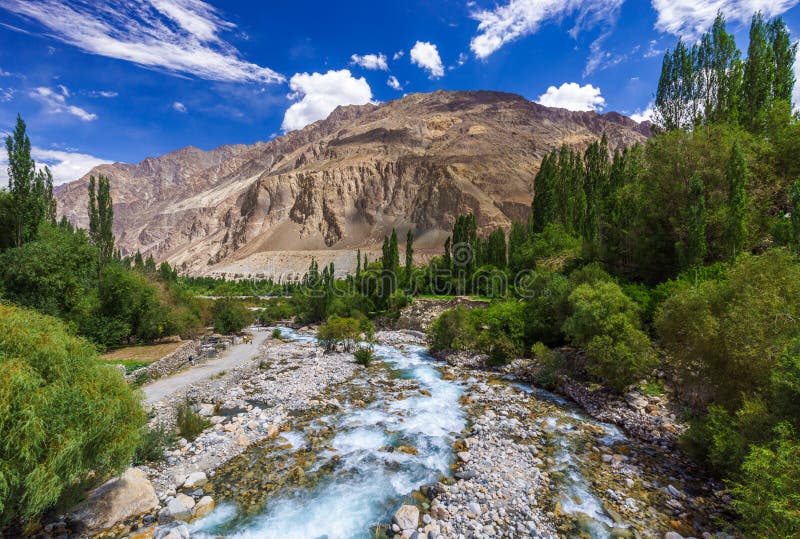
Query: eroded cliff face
[{"x": 343, "y": 183}]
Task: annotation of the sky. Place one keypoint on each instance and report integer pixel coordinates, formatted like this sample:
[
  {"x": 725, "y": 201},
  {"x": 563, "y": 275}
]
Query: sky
[{"x": 119, "y": 80}]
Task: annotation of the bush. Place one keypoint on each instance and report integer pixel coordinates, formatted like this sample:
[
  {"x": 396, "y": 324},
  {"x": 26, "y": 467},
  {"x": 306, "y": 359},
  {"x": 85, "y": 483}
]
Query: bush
[
  {"x": 549, "y": 365},
  {"x": 364, "y": 355},
  {"x": 190, "y": 424},
  {"x": 605, "y": 322},
  {"x": 153, "y": 443},
  {"x": 546, "y": 308},
  {"x": 768, "y": 494},
  {"x": 499, "y": 347},
  {"x": 453, "y": 330},
  {"x": 396, "y": 302},
  {"x": 276, "y": 334},
  {"x": 339, "y": 332},
  {"x": 66, "y": 420},
  {"x": 726, "y": 336},
  {"x": 230, "y": 316}
]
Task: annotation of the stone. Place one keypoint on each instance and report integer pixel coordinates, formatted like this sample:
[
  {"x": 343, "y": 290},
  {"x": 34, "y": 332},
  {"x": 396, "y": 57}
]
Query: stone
[
  {"x": 407, "y": 517},
  {"x": 205, "y": 409},
  {"x": 173, "y": 531},
  {"x": 673, "y": 535},
  {"x": 117, "y": 500},
  {"x": 180, "y": 507},
  {"x": 195, "y": 479},
  {"x": 203, "y": 507},
  {"x": 464, "y": 456},
  {"x": 272, "y": 431}
]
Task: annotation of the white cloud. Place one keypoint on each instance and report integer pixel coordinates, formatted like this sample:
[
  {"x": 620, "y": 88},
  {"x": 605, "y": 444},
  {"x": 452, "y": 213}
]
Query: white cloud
[
  {"x": 64, "y": 90},
  {"x": 103, "y": 93},
  {"x": 5, "y": 73},
  {"x": 7, "y": 94},
  {"x": 462, "y": 59},
  {"x": 572, "y": 96},
  {"x": 57, "y": 103},
  {"x": 181, "y": 36},
  {"x": 370, "y": 61},
  {"x": 645, "y": 115},
  {"x": 179, "y": 107},
  {"x": 426, "y": 56},
  {"x": 690, "y": 18},
  {"x": 394, "y": 84},
  {"x": 653, "y": 50},
  {"x": 65, "y": 166},
  {"x": 518, "y": 18},
  {"x": 319, "y": 94},
  {"x": 399, "y": 54}
]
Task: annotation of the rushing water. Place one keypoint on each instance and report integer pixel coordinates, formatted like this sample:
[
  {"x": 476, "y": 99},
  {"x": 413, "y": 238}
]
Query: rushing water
[
  {"x": 362, "y": 474},
  {"x": 367, "y": 482}
]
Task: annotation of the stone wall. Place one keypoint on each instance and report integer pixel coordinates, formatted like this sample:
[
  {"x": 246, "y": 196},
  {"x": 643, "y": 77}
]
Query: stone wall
[{"x": 169, "y": 364}]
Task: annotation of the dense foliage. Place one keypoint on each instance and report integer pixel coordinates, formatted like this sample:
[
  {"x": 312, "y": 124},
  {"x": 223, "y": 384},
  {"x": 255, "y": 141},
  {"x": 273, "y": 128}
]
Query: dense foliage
[
  {"x": 230, "y": 316},
  {"x": 64, "y": 416}
]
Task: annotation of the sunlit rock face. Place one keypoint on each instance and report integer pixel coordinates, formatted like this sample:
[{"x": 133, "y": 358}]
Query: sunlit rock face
[{"x": 343, "y": 183}]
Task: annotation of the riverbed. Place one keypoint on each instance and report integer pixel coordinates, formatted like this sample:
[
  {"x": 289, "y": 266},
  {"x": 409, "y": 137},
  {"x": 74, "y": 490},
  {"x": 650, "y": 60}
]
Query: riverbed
[{"x": 479, "y": 454}]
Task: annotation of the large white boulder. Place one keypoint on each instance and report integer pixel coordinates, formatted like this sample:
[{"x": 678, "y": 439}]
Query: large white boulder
[
  {"x": 117, "y": 500},
  {"x": 407, "y": 517}
]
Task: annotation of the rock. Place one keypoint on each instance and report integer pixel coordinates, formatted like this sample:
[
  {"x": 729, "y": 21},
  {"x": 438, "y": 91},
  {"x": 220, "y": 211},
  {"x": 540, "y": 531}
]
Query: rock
[
  {"x": 174, "y": 531},
  {"x": 203, "y": 507},
  {"x": 474, "y": 508},
  {"x": 407, "y": 517},
  {"x": 180, "y": 507},
  {"x": 468, "y": 474},
  {"x": 195, "y": 479},
  {"x": 464, "y": 456},
  {"x": 272, "y": 431},
  {"x": 117, "y": 500},
  {"x": 205, "y": 409},
  {"x": 673, "y": 535}
]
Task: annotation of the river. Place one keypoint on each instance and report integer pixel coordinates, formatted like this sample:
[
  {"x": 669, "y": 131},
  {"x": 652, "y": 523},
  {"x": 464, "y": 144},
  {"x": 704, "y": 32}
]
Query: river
[{"x": 374, "y": 442}]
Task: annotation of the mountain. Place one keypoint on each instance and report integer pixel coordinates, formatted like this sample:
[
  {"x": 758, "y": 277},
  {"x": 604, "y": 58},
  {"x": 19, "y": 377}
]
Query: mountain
[{"x": 343, "y": 183}]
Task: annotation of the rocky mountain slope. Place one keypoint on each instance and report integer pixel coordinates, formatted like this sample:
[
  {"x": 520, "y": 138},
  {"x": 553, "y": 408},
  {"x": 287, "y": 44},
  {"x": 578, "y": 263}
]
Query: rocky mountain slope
[{"x": 343, "y": 183}]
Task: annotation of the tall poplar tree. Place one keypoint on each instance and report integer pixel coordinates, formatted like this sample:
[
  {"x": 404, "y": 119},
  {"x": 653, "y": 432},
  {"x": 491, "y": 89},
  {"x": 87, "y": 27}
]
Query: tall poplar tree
[
  {"x": 758, "y": 77},
  {"x": 794, "y": 200},
  {"x": 736, "y": 176},
  {"x": 696, "y": 245},
  {"x": 101, "y": 218}
]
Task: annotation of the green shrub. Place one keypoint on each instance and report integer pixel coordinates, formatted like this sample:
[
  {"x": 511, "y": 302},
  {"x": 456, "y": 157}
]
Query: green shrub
[
  {"x": 153, "y": 443},
  {"x": 546, "y": 307},
  {"x": 725, "y": 337},
  {"x": 605, "y": 322},
  {"x": 364, "y": 355},
  {"x": 453, "y": 330},
  {"x": 499, "y": 347},
  {"x": 768, "y": 494},
  {"x": 549, "y": 365},
  {"x": 339, "y": 332},
  {"x": 66, "y": 420},
  {"x": 396, "y": 302},
  {"x": 189, "y": 423},
  {"x": 230, "y": 316},
  {"x": 276, "y": 334}
]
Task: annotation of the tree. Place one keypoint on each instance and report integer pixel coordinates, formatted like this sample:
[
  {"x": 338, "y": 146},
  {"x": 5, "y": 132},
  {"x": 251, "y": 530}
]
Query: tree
[
  {"x": 696, "y": 245},
  {"x": 358, "y": 262},
  {"x": 101, "y": 218},
  {"x": 230, "y": 316},
  {"x": 783, "y": 53},
  {"x": 794, "y": 196},
  {"x": 718, "y": 73},
  {"x": 410, "y": 259},
  {"x": 68, "y": 421},
  {"x": 605, "y": 322},
  {"x": 596, "y": 184},
  {"x": 543, "y": 209},
  {"x": 674, "y": 106},
  {"x": 32, "y": 201},
  {"x": 736, "y": 176},
  {"x": 759, "y": 76}
]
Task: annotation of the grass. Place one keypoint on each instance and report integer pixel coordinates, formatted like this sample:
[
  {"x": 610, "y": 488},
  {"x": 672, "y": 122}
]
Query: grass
[
  {"x": 142, "y": 354},
  {"x": 190, "y": 424},
  {"x": 364, "y": 355},
  {"x": 653, "y": 388}
]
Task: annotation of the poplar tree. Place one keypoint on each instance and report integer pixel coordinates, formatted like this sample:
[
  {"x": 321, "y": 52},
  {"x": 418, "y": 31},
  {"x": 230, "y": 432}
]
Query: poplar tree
[
  {"x": 794, "y": 200},
  {"x": 784, "y": 53},
  {"x": 101, "y": 218},
  {"x": 696, "y": 248},
  {"x": 543, "y": 209},
  {"x": 358, "y": 262},
  {"x": 409, "y": 256},
  {"x": 736, "y": 176},
  {"x": 31, "y": 192},
  {"x": 758, "y": 78}
]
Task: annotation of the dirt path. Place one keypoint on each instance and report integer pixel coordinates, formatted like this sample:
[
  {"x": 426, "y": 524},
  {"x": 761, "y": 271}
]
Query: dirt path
[{"x": 233, "y": 357}]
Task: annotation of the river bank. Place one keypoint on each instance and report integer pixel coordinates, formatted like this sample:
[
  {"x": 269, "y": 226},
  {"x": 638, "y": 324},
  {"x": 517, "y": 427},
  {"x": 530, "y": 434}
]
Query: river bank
[{"x": 306, "y": 444}]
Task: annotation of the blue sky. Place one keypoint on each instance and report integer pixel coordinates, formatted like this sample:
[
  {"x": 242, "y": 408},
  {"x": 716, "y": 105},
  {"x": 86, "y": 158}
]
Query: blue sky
[{"x": 121, "y": 80}]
